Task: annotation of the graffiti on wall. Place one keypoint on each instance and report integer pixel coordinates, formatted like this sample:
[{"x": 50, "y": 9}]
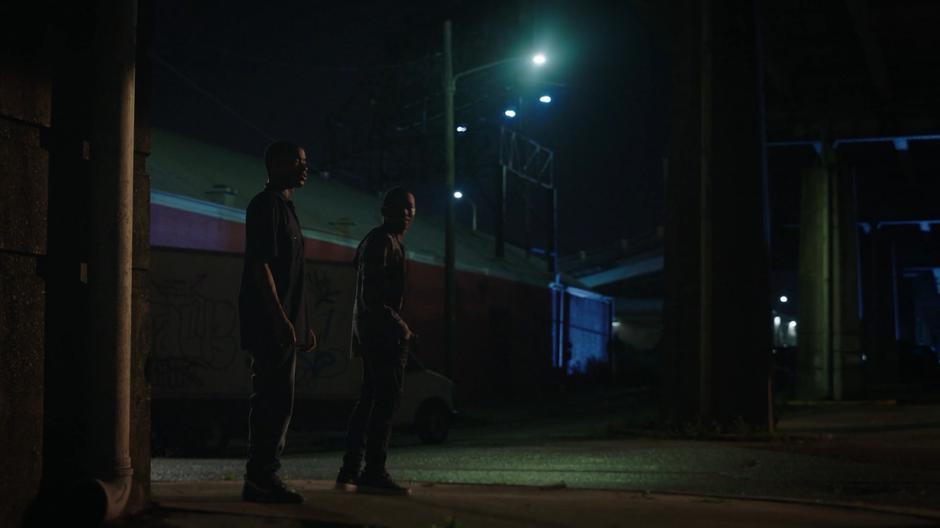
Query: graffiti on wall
[
  {"x": 329, "y": 305},
  {"x": 194, "y": 331},
  {"x": 196, "y": 346}
]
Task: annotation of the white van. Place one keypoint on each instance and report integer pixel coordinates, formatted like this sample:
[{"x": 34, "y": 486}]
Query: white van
[{"x": 200, "y": 377}]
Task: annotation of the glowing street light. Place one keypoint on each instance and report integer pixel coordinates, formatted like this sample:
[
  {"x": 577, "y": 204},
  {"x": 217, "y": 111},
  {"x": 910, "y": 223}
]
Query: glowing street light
[
  {"x": 783, "y": 298},
  {"x": 450, "y": 251},
  {"x": 510, "y": 113},
  {"x": 461, "y": 128},
  {"x": 545, "y": 99},
  {"x": 473, "y": 208}
]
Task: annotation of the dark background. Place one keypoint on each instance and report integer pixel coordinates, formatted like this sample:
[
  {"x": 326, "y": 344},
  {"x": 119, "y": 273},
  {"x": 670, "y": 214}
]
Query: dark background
[{"x": 358, "y": 84}]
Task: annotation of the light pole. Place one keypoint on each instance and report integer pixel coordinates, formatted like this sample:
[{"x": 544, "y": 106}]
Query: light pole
[
  {"x": 473, "y": 208},
  {"x": 450, "y": 260}
]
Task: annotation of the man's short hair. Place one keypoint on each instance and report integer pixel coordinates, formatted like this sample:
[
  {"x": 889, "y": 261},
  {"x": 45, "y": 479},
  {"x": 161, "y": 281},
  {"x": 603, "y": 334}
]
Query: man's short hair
[
  {"x": 279, "y": 150},
  {"x": 395, "y": 196}
]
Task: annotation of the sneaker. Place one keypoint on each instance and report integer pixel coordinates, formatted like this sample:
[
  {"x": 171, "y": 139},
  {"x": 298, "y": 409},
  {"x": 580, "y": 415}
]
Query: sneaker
[
  {"x": 271, "y": 489},
  {"x": 380, "y": 485},
  {"x": 347, "y": 480}
]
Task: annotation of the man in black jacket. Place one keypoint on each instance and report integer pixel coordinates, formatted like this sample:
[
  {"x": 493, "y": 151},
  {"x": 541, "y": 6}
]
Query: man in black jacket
[
  {"x": 381, "y": 337},
  {"x": 273, "y": 318}
]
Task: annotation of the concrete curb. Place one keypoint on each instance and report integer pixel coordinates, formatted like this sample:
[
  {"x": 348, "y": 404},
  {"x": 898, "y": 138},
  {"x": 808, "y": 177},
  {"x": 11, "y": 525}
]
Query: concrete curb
[
  {"x": 931, "y": 515},
  {"x": 170, "y": 504}
]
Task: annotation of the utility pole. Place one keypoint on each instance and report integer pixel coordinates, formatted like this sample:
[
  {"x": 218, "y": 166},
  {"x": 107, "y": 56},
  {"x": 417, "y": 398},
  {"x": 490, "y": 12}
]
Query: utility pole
[
  {"x": 450, "y": 271},
  {"x": 499, "y": 246}
]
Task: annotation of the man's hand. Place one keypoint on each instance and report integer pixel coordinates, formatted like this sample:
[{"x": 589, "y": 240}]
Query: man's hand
[
  {"x": 407, "y": 334},
  {"x": 311, "y": 341},
  {"x": 285, "y": 333}
]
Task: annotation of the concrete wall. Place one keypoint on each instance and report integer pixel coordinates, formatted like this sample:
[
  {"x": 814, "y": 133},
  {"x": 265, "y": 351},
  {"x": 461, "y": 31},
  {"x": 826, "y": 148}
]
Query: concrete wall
[
  {"x": 46, "y": 84},
  {"x": 25, "y": 111},
  {"x": 504, "y": 332}
]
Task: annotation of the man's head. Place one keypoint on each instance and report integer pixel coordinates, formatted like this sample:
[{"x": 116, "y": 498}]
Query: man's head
[
  {"x": 287, "y": 165},
  {"x": 398, "y": 209}
]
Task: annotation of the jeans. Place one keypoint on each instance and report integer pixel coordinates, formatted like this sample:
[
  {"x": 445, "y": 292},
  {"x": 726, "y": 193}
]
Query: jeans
[
  {"x": 270, "y": 408},
  {"x": 383, "y": 369}
]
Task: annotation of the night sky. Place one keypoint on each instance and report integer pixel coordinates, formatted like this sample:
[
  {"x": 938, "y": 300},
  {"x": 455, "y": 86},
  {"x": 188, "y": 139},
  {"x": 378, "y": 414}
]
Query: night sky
[{"x": 347, "y": 78}]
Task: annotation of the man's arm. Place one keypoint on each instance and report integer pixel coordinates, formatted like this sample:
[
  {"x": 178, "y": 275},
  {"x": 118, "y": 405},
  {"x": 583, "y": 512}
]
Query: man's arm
[
  {"x": 261, "y": 232},
  {"x": 375, "y": 257},
  {"x": 271, "y": 302}
]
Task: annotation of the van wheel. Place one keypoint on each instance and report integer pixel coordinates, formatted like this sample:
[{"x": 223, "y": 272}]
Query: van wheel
[{"x": 433, "y": 422}]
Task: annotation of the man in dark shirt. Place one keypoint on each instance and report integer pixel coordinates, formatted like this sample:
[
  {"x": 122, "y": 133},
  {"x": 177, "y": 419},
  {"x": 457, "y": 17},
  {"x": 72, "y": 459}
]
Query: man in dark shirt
[
  {"x": 273, "y": 318},
  {"x": 381, "y": 337}
]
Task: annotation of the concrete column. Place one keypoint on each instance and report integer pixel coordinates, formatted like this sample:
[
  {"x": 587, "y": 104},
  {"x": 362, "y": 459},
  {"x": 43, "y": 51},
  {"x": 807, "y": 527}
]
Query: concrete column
[
  {"x": 829, "y": 363},
  {"x": 814, "y": 283},
  {"x": 110, "y": 267},
  {"x": 847, "y": 374},
  {"x": 717, "y": 308}
]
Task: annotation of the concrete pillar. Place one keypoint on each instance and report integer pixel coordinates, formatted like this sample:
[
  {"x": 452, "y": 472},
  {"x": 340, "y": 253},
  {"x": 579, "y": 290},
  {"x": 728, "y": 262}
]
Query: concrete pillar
[
  {"x": 110, "y": 274},
  {"x": 141, "y": 330},
  {"x": 814, "y": 283},
  {"x": 847, "y": 372},
  {"x": 75, "y": 417},
  {"x": 829, "y": 363},
  {"x": 717, "y": 336}
]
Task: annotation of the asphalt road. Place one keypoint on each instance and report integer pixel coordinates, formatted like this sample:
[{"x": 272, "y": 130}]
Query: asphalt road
[{"x": 554, "y": 452}]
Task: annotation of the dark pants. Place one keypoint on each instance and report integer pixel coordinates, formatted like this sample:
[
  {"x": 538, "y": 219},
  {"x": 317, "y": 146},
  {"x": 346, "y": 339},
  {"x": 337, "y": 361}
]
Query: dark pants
[
  {"x": 383, "y": 369},
  {"x": 270, "y": 408}
]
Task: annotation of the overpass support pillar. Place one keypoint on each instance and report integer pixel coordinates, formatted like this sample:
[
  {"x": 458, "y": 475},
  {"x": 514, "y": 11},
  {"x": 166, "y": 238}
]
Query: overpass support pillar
[{"x": 717, "y": 340}]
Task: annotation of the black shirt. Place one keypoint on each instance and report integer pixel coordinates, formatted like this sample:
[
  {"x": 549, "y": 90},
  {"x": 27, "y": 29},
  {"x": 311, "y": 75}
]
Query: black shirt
[
  {"x": 380, "y": 289},
  {"x": 273, "y": 235}
]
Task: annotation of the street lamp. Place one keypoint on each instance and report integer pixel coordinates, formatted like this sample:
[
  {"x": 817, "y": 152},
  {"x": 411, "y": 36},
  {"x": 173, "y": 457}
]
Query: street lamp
[
  {"x": 473, "y": 209},
  {"x": 510, "y": 113},
  {"x": 545, "y": 99},
  {"x": 450, "y": 261}
]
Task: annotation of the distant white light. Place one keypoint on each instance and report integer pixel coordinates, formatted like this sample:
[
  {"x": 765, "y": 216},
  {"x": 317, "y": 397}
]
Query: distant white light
[
  {"x": 545, "y": 99},
  {"x": 783, "y": 298},
  {"x": 791, "y": 329},
  {"x": 777, "y": 321},
  {"x": 458, "y": 195},
  {"x": 539, "y": 59},
  {"x": 792, "y": 324},
  {"x": 510, "y": 113},
  {"x": 461, "y": 128},
  {"x": 615, "y": 324}
]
